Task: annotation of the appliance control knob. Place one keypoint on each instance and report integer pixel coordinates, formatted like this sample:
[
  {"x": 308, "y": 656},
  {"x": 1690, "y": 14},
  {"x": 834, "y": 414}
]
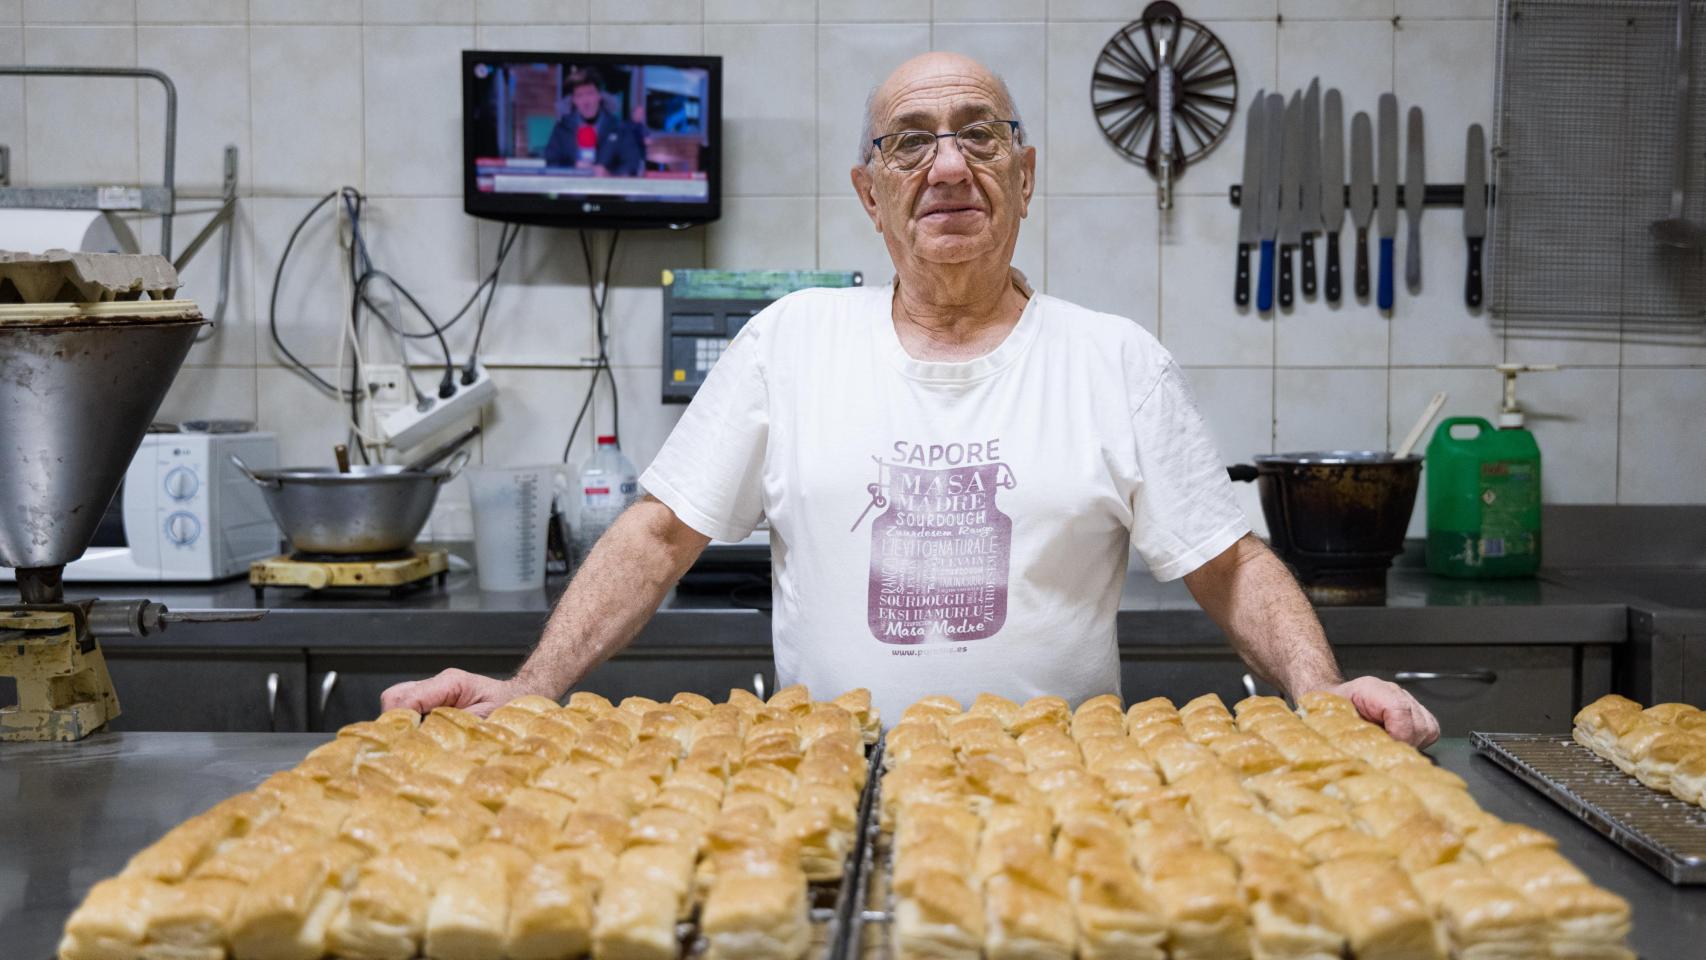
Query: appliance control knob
[
  {"x": 183, "y": 528},
  {"x": 181, "y": 483}
]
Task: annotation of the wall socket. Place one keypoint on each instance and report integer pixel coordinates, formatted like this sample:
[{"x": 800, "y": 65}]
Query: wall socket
[{"x": 387, "y": 389}]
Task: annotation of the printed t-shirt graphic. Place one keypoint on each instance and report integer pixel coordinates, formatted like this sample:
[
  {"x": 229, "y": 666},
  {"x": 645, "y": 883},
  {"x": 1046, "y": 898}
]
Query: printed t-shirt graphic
[{"x": 941, "y": 552}]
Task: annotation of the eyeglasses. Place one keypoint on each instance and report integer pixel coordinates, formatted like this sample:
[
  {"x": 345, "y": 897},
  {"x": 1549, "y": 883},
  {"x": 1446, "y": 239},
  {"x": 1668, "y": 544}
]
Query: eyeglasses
[{"x": 983, "y": 142}]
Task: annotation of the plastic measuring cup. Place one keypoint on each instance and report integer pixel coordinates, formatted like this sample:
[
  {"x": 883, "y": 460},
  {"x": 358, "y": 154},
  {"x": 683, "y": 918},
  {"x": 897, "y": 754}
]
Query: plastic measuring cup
[{"x": 512, "y": 508}]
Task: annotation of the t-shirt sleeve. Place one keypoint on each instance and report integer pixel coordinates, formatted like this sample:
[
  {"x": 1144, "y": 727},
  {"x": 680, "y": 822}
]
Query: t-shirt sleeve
[
  {"x": 710, "y": 469},
  {"x": 1183, "y": 511}
]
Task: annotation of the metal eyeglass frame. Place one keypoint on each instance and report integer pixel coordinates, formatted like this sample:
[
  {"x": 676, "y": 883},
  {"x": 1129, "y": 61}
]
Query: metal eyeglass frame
[{"x": 877, "y": 144}]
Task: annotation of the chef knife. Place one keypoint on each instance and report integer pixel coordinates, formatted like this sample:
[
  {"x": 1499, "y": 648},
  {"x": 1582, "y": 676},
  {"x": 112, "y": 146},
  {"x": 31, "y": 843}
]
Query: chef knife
[
  {"x": 1362, "y": 192},
  {"x": 1415, "y": 186},
  {"x": 1273, "y": 125},
  {"x": 1332, "y": 184},
  {"x": 1474, "y": 211},
  {"x": 1250, "y": 198},
  {"x": 1386, "y": 198},
  {"x": 1291, "y": 180},
  {"x": 1309, "y": 191}
]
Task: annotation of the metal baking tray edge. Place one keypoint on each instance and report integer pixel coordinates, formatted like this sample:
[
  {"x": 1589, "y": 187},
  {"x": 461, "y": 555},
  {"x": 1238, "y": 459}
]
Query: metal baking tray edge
[
  {"x": 859, "y": 914},
  {"x": 1676, "y": 868},
  {"x": 849, "y": 922}
]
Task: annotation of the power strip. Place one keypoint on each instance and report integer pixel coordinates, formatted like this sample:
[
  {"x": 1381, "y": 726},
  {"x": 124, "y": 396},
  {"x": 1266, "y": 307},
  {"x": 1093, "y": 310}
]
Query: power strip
[{"x": 409, "y": 426}]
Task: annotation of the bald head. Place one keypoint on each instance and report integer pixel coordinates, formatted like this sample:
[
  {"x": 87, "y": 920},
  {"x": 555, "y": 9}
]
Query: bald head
[{"x": 935, "y": 74}]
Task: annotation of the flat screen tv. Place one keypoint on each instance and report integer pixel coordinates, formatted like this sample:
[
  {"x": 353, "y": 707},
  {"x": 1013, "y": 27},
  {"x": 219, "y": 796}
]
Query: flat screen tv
[{"x": 590, "y": 139}]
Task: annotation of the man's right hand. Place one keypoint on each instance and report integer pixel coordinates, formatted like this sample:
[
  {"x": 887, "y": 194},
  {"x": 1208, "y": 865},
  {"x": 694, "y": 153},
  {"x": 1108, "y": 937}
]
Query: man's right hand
[{"x": 452, "y": 688}]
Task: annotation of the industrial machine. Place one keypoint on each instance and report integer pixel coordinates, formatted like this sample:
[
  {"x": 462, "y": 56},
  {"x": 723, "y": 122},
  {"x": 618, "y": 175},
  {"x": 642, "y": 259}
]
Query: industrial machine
[{"x": 89, "y": 344}]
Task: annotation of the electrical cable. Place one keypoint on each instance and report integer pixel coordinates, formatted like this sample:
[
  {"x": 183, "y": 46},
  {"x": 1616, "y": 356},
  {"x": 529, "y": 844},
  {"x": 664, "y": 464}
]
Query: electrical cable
[
  {"x": 602, "y": 364},
  {"x": 272, "y": 303},
  {"x": 364, "y": 277}
]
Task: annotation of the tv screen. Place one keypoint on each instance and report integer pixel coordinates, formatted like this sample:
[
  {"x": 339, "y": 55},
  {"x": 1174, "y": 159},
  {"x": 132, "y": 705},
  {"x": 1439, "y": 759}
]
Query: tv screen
[{"x": 591, "y": 140}]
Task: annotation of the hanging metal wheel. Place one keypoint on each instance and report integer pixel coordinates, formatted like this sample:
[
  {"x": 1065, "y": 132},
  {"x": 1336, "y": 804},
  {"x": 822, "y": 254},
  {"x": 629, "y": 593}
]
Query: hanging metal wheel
[{"x": 1125, "y": 89}]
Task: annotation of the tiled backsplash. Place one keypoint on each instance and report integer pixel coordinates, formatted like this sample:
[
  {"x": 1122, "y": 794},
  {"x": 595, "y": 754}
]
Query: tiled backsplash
[{"x": 329, "y": 92}]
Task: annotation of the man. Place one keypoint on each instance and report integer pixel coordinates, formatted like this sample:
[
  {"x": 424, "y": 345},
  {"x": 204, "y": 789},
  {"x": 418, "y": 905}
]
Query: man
[
  {"x": 589, "y": 137},
  {"x": 1005, "y": 448}
]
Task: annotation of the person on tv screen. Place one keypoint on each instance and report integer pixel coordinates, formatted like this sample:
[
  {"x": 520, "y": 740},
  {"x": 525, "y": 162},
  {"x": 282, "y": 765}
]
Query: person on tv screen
[{"x": 590, "y": 137}]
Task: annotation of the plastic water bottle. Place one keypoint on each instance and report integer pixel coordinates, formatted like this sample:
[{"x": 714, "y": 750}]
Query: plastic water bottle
[{"x": 609, "y": 483}]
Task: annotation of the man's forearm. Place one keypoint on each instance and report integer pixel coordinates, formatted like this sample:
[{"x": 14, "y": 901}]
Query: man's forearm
[
  {"x": 616, "y": 590},
  {"x": 1250, "y": 594}
]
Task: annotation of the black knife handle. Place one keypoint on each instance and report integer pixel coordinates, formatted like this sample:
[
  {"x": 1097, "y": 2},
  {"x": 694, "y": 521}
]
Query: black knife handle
[
  {"x": 1333, "y": 266},
  {"x": 1309, "y": 264},
  {"x": 1472, "y": 282},
  {"x": 1241, "y": 286},
  {"x": 1362, "y": 262},
  {"x": 1285, "y": 279}
]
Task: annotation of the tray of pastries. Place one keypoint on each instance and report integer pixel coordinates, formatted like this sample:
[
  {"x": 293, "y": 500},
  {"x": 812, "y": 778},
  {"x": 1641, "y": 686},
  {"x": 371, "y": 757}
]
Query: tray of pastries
[
  {"x": 641, "y": 830},
  {"x": 1031, "y": 830},
  {"x": 1637, "y": 775}
]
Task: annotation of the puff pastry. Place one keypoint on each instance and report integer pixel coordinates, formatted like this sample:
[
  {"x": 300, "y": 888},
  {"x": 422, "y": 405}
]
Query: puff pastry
[
  {"x": 635, "y": 921},
  {"x": 383, "y": 917},
  {"x": 941, "y": 919},
  {"x": 1378, "y": 909},
  {"x": 1117, "y": 918},
  {"x": 286, "y": 912},
  {"x": 1484, "y": 919}
]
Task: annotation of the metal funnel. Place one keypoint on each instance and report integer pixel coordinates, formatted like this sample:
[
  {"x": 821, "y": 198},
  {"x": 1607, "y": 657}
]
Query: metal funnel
[{"x": 79, "y": 384}]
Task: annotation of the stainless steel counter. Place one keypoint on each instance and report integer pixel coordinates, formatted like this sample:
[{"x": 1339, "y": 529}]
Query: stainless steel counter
[
  {"x": 73, "y": 813},
  {"x": 1419, "y": 610}
]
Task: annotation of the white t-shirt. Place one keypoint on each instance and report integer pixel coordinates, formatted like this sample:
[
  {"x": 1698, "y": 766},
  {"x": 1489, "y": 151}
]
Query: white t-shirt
[{"x": 948, "y": 527}]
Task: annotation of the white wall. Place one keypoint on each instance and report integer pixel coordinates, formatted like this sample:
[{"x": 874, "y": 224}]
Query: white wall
[{"x": 323, "y": 92}]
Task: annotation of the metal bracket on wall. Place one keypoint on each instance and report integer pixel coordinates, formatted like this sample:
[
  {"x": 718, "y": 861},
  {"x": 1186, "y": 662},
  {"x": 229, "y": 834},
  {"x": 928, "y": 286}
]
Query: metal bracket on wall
[
  {"x": 160, "y": 200},
  {"x": 1437, "y": 195},
  {"x": 224, "y": 220}
]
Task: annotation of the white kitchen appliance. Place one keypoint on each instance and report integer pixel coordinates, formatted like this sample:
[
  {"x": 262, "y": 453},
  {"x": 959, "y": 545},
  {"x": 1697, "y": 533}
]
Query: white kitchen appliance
[{"x": 187, "y": 514}]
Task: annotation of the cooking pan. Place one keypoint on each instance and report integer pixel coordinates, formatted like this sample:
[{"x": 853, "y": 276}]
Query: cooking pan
[{"x": 1337, "y": 517}]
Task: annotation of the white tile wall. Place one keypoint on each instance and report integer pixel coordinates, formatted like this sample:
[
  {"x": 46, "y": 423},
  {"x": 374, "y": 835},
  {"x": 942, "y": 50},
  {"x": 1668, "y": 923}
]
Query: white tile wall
[{"x": 319, "y": 93}]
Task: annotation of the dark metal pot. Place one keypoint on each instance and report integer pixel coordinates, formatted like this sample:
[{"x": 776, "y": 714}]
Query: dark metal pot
[
  {"x": 1337, "y": 517},
  {"x": 368, "y": 512}
]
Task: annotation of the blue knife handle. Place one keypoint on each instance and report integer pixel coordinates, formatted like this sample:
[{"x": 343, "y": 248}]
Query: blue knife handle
[
  {"x": 1265, "y": 278},
  {"x": 1384, "y": 298}
]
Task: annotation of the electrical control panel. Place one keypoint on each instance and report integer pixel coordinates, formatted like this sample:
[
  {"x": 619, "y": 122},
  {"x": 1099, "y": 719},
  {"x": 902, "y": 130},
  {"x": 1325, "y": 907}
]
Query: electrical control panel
[{"x": 704, "y": 309}]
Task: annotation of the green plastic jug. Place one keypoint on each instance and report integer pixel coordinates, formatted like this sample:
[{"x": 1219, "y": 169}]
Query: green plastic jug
[{"x": 1483, "y": 501}]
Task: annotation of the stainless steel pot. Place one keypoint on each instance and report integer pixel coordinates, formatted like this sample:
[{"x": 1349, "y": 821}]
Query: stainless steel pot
[{"x": 370, "y": 510}]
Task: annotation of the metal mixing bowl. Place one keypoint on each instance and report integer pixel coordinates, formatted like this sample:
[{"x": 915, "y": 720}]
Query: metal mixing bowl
[{"x": 370, "y": 510}]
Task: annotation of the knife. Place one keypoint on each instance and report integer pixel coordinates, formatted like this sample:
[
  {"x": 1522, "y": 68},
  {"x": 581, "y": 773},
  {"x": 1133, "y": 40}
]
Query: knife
[
  {"x": 1291, "y": 180},
  {"x": 1273, "y": 125},
  {"x": 1309, "y": 192},
  {"x": 1415, "y": 187},
  {"x": 1386, "y": 199},
  {"x": 1250, "y": 199},
  {"x": 1474, "y": 211},
  {"x": 1332, "y": 184},
  {"x": 1362, "y": 192}
]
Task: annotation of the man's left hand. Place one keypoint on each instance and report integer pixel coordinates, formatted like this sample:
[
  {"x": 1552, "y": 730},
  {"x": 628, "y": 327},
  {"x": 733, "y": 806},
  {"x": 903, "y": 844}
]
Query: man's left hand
[{"x": 1392, "y": 707}]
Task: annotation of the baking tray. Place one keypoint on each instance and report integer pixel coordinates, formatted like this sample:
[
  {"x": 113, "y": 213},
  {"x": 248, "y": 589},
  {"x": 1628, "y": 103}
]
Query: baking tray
[
  {"x": 831, "y": 903},
  {"x": 1659, "y": 830}
]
